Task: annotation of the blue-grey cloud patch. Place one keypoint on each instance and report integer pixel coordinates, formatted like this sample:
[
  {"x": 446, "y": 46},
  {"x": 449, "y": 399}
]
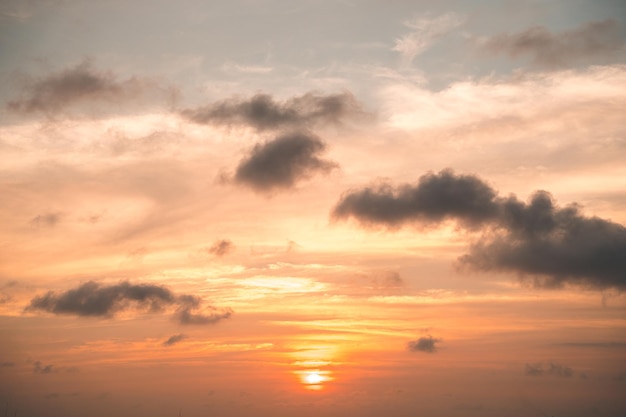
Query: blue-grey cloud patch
[
  {"x": 282, "y": 162},
  {"x": 426, "y": 344},
  {"x": 92, "y": 299}
]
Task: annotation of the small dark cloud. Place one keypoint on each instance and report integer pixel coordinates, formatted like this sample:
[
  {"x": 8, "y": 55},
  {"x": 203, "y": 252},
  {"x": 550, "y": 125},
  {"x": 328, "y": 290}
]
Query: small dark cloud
[
  {"x": 46, "y": 219},
  {"x": 221, "y": 247},
  {"x": 187, "y": 316},
  {"x": 7, "y": 364},
  {"x": 263, "y": 112},
  {"x": 435, "y": 198},
  {"x": 52, "y": 396},
  {"x": 282, "y": 162},
  {"x": 57, "y": 91},
  {"x": 172, "y": 340},
  {"x": 592, "y": 41},
  {"x": 548, "y": 369},
  {"x": 94, "y": 300},
  {"x": 40, "y": 368},
  {"x": 424, "y": 344},
  {"x": 549, "y": 245}
]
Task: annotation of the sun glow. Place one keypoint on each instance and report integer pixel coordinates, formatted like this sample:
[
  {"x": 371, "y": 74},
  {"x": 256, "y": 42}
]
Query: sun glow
[{"x": 314, "y": 379}]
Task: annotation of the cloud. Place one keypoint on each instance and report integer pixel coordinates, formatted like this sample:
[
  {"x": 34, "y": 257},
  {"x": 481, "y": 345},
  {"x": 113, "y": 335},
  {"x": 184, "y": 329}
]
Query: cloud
[
  {"x": 537, "y": 239},
  {"x": 46, "y": 219},
  {"x": 546, "y": 49},
  {"x": 39, "y": 368},
  {"x": 94, "y": 300},
  {"x": 80, "y": 83},
  {"x": 435, "y": 198},
  {"x": 425, "y": 30},
  {"x": 221, "y": 247},
  {"x": 553, "y": 245},
  {"x": 282, "y": 162},
  {"x": 172, "y": 340},
  {"x": 424, "y": 344},
  {"x": 263, "y": 112},
  {"x": 550, "y": 369}
]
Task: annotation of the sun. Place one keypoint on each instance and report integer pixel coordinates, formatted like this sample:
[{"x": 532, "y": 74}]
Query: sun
[{"x": 313, "y": 378}]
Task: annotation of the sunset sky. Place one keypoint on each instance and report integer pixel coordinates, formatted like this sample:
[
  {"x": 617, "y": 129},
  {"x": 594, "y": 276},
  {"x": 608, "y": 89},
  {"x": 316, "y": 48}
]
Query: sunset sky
[{"x": 312, "y": 208}]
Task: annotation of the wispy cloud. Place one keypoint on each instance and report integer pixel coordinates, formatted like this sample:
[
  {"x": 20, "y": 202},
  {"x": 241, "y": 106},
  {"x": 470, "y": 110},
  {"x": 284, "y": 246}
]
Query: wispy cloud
[
  {"x": 80, "y": 84},
  {"x": 172, "y": 340},
  {"x": 585, "y": 44},
  {"x": 424, "y": 31},
  {"x": 221, "y": 247},
  {"x": 548, "y": 369}
]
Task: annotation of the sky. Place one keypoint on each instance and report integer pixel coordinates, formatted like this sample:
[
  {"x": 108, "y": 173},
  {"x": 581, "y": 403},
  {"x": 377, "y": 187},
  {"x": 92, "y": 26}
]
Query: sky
[{"x": 314, "y": 208}]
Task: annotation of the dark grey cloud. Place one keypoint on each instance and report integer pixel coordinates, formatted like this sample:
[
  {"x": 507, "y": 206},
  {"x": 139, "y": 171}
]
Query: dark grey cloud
[
  {"x": 424, "y": 344},
  {"x": 548, "y": 244},
  {"x": 262, "y": 111},
  {"x": 39, "y": 368},
  {"x": 172, "y": 340},
  {"x": 435, "y": 198},
  {"x": 549, "y": 369},
  {"x": 186, "y": 312},
  {"x": 94, "y": 300},
  {"x": 592, "y": 41},
  {"x": 221, "y": 247},
  {"x": 553, "y": 246},
  {"x": 282, "y": 162},
  {"x": 56, "y": 91}
]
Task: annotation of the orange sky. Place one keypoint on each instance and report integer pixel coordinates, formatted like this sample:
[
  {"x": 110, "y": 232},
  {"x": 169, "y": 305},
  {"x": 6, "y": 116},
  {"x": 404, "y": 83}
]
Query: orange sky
[{"x": 318, "y": 209}]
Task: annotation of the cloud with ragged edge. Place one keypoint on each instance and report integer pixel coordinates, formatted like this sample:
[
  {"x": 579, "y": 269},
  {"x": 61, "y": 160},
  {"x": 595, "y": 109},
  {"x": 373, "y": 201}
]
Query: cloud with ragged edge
[
  {"x": 263, "y": 112},
  {"x": 587, "y": 43},
  {"x": 221, "y": 247},
  {"x": 424, "y": 31},
  {"x": 92, "y": 299},
  {"x": 548, "y": 244},
  {"x": 79, "y": 84},
  {"x": 174, "y": 339},
  {"x": 282, "y": 162},
  {"x": 426, "y": 344},
  {"x": 548, "y": 369},
  {"x": 40, "y": 368}
]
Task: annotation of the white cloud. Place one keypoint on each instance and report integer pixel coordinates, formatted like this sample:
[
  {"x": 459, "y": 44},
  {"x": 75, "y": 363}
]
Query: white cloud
[{"x": 425, "y": 30}]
